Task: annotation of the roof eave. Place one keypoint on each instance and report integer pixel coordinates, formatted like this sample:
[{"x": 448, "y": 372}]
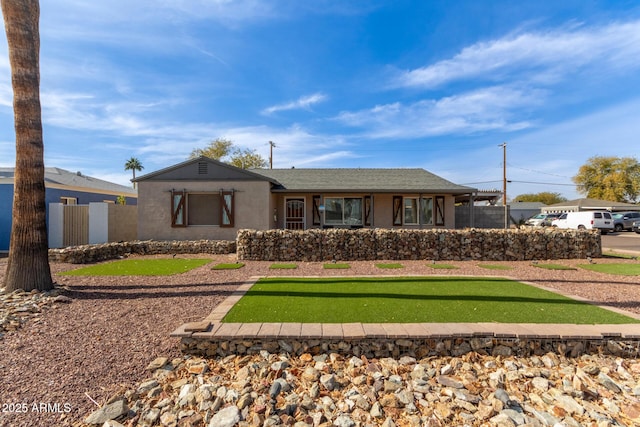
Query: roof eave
[{"x": 373, "y": 190}]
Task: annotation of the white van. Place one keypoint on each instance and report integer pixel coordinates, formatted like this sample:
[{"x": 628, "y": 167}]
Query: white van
[{"x": 601, "y": 220}]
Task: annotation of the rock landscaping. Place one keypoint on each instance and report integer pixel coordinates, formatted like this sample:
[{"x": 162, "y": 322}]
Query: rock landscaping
[
  {"x": 328, "y": 389},
  {"x": 432, "y": 244},
  {"x": 86, "y": 254},
  {"x": 362, "y": 245},
  {"x": 19, "y": 307},
  {"x": 93, "y": 352}
]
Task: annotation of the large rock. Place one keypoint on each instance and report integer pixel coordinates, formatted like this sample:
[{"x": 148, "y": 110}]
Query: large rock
[
  {"x": 108, "y": 412},
  {"x": 226, "y": 417}
]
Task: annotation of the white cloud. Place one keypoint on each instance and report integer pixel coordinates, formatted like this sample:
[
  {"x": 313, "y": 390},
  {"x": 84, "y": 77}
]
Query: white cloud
[
  {"x": 480, "y": 110},
  {"x": 549, "y": 55},
  {"x": 548, "y": 155},
  {"x": 304, "y": 102}
]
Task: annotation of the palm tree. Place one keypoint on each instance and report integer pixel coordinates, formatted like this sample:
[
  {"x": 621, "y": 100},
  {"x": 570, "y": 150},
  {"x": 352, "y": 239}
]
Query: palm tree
[
  {"x": 28, "y": 263},
  {"x": 133, "y": 165}
]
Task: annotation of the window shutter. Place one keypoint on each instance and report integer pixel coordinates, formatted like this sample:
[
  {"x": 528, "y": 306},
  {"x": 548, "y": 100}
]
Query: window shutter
[
  {"x": 367, "y": 210},
  {"x": 178, "y": 199},
  {"x": 226, "y": 219},
  {"x": 439, "y": 210},
  {"x": 316, "y": 210},
  {"x": 397, "y": 210}
]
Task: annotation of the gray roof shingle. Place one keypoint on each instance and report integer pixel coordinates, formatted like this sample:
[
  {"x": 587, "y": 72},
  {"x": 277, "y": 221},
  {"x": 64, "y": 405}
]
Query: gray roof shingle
[
  {"x": 361, "y": 180},
  {"x": 66, "y": 178}
]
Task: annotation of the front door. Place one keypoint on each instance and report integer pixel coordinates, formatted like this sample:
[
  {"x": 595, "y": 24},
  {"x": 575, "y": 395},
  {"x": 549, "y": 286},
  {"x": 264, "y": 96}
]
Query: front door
[{"x": 294, "y": 214}]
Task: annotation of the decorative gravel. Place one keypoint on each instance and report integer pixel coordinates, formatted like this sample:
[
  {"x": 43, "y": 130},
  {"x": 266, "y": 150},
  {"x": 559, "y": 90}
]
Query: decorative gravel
[{"x": 77, "y": 355}]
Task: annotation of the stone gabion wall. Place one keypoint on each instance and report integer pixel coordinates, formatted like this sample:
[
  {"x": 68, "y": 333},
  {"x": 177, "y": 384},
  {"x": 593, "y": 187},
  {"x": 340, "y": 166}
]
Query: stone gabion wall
[
  {"x": 93, "y": 253},
  {"x": 433, "y": 244},
  {"x": 388, "y": 347}
]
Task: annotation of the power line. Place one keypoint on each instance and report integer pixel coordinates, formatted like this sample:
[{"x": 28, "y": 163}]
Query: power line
[
  {"x": 536, "y": 171},
  {"x": 481, "y": 182},
  {"x": 544, "y": 183}
]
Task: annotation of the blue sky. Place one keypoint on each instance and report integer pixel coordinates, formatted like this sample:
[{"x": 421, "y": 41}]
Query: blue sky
[{"x": 431, "y": 84}]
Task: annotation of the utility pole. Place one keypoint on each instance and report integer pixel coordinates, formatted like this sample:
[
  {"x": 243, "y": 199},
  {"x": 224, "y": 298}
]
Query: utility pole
[
  {"x": 504, "y": 183},
  {"x": 271, "y": 145}
]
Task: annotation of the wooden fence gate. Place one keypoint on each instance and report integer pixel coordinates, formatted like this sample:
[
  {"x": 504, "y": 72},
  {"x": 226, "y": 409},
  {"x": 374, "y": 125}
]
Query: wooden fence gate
[{"x": 75, "y": 225}]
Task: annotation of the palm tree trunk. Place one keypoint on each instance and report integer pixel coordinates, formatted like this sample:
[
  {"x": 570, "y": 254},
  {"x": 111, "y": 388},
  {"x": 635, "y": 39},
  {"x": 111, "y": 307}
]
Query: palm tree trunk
[{"x": 28, "y": 263}]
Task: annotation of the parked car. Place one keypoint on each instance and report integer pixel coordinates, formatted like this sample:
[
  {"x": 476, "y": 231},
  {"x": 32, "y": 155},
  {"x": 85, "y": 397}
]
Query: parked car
[
  {"x": 636, "y": 227},
  {"x": 541, "y": 219},
  {"x": 624, "y": 220},
  {"x": 601, "y": 220}
]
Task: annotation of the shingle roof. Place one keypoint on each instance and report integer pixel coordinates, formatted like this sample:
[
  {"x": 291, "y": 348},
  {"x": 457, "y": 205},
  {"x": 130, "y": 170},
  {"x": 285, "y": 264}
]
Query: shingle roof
[
  {"x": 57, "y": 176},
  {"x": 593, "y": 204},
  {"x": 361, "y": 180}
]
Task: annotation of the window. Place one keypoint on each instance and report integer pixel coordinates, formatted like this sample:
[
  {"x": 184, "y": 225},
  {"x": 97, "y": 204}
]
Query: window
[
  {"x": 413, "y": 210},
  {"x": 69, "y": 200},
  {"x": 343, "y": 211},
  {"x": 199, "y": 208}
]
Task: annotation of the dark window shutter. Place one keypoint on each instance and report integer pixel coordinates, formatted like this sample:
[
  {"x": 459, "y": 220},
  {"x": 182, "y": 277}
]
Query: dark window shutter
[
  {"x": 367, "y": 210},
  {"x": 439, "y": 210},
  {"x": 178, "y": 208},
  {"x": 226, "y": 213},
  {"x": 397, "y": 210},
  {"x": 316, "y": 210}
]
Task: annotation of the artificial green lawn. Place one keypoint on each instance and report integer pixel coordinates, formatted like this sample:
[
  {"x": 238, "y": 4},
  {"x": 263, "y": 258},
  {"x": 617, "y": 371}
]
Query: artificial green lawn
[
  {"x": 283, "y": 266},
  {"x": 618, "y": 255},
  {"x": 336, "y": 266},
  {"x": 390, "y": 265},
  {"x": 495, "y": 266},
  {"x": 140, "y": 267},
  {"x": 410, "y": 300},
  {"x": 228, "y": 266},
  {"x": 442, "y": 266},
  {"x": 619, "y": 269},
  {"x": 554, "y": 266}
]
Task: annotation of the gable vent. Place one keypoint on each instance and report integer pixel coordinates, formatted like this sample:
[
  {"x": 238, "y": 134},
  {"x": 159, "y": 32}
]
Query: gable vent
[{"x": 202, "y": 168}]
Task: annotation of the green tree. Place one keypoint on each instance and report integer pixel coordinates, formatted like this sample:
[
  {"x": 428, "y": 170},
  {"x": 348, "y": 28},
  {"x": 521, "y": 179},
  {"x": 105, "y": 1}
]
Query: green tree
[
  {"x": 225, "y": 151},
  {"x": 545, "y": 197},
  {"x": 610, "y": 178},
  {"x": 216, "y": 149},
  {"x": 133, "y": 165},
  {"x": 28, "y": 264}
]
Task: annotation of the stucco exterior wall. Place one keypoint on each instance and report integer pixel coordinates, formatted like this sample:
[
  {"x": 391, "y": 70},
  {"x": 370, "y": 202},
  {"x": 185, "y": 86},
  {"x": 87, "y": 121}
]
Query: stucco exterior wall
[
  {"x": 122, "y": 223},
  {"x": 251, "y": 202}
]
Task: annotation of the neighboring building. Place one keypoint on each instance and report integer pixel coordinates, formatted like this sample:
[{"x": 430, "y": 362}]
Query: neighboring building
[
  {"x": 579, "y": 205},
  {"x": 61, "y": 186},
  {"x": 206, "y": 199},
  {"x": 522, "y": 211}
]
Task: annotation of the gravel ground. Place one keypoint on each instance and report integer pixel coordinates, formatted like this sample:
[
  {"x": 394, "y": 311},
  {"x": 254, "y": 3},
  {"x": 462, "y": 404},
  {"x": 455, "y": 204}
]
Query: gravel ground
[{"x": 82, "y": 353}]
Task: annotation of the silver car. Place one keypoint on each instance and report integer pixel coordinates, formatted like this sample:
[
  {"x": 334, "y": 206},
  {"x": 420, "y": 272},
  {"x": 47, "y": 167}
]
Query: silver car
[
  {"x": 542, "y": 219},
  {"x": 624, "y": 220}
]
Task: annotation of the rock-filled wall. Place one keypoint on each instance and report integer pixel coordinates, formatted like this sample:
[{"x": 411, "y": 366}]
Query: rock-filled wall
[
  {"x": 390, "y": 347},
  {"x": 364, "y": 244},
  {"x": 433, "y": 244},
  {"x": 93, "y": 253}
]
